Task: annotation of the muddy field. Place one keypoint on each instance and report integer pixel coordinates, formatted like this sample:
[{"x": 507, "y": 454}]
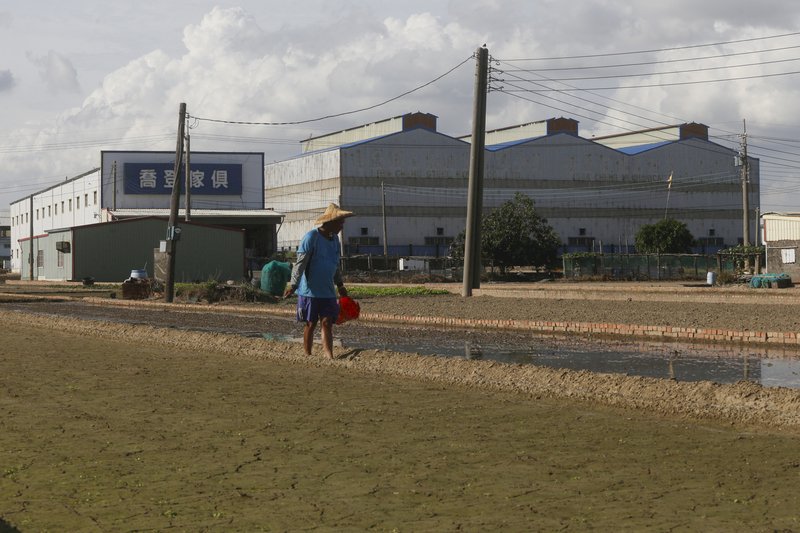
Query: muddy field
[{"x": 118, "y": 427}]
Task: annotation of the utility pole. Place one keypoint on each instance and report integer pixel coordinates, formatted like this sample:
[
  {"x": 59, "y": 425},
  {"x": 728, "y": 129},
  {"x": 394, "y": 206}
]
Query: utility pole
[
  {"x": 385, "y": 241},
  {"x": 472, "y": 244},
  {"x": 173, "y": 231},
  {"x": 30, "y": 245},
  {"x": 745, "y": 181},
  {"x": 188, "y": 170},
  {"x": 114, "y": 179}
]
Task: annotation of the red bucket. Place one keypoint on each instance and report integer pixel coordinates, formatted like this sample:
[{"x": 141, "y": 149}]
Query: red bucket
[{"x": 348, "y": 309}]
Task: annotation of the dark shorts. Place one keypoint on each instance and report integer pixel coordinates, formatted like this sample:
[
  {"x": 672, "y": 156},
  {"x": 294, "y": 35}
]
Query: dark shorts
[{"x": 312, "y": 309}]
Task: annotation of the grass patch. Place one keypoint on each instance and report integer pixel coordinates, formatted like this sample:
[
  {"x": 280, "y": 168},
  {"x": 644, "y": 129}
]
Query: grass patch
[
  {"x": 213, "y": 291},
  {"x": 362, "y": 291}
]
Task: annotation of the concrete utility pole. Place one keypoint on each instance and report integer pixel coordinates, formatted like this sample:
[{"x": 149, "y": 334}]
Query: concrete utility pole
[
  {"x": 385, "y": 241},
  {"x": 30, "y": 245},
  {"x": 472, "y": 244},
  {"x": 173, "y": 231},
  {"x": 114, "y": 179},
  {"x": 745, "y": 181}
]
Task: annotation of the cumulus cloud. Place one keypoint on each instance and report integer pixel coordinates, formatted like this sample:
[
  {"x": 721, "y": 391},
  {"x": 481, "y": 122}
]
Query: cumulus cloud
[
  {"x": 232, "y": 68},
  {"x": 7, "y": 81},
  {"x": 56, "y": 71}
]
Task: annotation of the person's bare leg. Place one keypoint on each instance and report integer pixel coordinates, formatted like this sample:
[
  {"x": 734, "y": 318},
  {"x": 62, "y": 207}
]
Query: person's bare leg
[
  {"x": 308, "y": 336},
  {"x": 327, "y": 337}
]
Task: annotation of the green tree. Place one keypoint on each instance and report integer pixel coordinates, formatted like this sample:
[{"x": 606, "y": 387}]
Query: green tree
[
  {"x": 668, "y": 236},
  {"x": 514, "y": 235}
]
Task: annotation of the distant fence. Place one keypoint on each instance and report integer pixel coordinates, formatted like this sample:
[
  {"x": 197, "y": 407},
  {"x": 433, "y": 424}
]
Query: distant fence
[
  {"x": 378, "y": 267},
  {"x": 642, "y": 266}
]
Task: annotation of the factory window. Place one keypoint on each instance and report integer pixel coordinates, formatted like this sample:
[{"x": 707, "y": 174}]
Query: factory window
[
  {"x": 439, "y": 231},
  {"x": 86, "y": 200},
  {"x": 69, "y": 203},
  {"x": 95, "y": 197},
  {"x": 438, "y": 240},
  {"x": 363, "y": 241},
  {"x": 77, "y": 202},
  {"x": 711, "y": 232},
  {"x": 55, "y": 209},
  {"x": 581, "y": 241},
  {"x": 26, "y": 217},
  {"x": 711, "y": 241},
  {"x": 62, "y": 207},
  {"x": 48, "y": 210},
  {"x": 40, "y": 259},
  {"x": 37, "y": 214},
  {"x": 581, "y": 231},
  {"x": 364, "y": 231}
]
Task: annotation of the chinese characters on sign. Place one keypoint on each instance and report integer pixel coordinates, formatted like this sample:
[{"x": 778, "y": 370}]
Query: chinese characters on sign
[{"x": 204, "y": 178}]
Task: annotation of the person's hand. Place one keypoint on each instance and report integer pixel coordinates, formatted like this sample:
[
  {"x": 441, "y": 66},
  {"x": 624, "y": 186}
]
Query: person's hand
[
  {"x": 342, "y": 291},
  {"x": 288, "y": 292}
]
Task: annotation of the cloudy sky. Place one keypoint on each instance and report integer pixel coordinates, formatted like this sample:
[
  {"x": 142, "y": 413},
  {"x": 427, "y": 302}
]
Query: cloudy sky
[{"x": 82, "y": 76}]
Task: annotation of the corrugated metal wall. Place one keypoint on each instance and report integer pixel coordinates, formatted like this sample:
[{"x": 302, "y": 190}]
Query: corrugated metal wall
[
  {"x": 583, "y": 188},
  {"x": 781, "y": 228},
  {"x": 108, "y": 252}
]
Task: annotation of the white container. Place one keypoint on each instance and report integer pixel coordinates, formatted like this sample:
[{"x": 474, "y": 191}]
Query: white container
[
  {"x": 711, "y": 278},
  {"x": 138, "y": 274}
]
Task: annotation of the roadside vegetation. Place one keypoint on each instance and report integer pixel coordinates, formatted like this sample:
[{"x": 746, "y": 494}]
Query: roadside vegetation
[{"x": 213, "y": 291}]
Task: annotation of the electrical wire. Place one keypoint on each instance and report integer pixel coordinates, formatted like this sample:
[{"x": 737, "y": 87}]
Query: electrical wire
[
  {"x": 667, "y": 73},
  {"x": 669, "y": 84},
  {"x": 335, "y": 115},
  {"x": 650, "y": 63},
  {"x": 670, "y": 49}
]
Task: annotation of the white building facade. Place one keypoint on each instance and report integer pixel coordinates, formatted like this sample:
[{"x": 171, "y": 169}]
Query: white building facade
[
  {"x": 226, "y": 188},
  {"x": 75, "y": 202}
]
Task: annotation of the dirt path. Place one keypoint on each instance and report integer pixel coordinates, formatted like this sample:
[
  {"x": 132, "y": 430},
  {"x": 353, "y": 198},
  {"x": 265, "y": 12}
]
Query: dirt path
[{"x": 109, "y": 427}]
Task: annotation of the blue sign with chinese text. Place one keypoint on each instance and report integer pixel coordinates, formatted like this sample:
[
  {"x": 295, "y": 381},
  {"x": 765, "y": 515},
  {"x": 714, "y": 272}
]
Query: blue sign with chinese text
[{"x": 206, "y": 178}]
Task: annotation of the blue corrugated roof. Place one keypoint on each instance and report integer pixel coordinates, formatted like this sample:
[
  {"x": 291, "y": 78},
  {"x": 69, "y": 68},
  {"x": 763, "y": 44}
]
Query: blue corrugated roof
[
  {"x": 500, "y": 146},
  {"x": 631, "y": 150}
]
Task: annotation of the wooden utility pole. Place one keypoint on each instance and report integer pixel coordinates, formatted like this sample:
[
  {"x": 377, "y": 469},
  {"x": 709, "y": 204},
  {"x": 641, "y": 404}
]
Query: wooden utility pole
[
  {"x": 188, "y": 170},
  {"x": 472, "y": 244},
  {"x": 173, "y": 231}
]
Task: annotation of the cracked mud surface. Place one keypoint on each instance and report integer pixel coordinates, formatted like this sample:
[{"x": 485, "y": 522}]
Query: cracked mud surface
[{"x": 123, "y": 426}]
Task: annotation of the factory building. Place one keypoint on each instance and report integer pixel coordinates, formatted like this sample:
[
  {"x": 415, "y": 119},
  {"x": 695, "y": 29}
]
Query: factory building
[
  {"x": 407, "y": 181},
  {"x": 112, "y": 219}
]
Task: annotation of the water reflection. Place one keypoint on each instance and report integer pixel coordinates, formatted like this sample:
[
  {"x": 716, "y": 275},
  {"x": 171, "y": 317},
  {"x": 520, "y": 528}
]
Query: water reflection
[{"x": 771, "y": 367}]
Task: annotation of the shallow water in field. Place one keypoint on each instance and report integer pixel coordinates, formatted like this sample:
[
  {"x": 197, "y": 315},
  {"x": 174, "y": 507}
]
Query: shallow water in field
[
  {"x": 680, "y": 361},
  {"x": 771, "y": 367}
]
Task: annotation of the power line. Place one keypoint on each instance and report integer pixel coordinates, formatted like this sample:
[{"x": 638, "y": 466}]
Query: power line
[
  {"x": 670, "y": 84},
  {"x": 650, "y": 63},
  {"x": 612, "y": 54},
  {"x": 685, "y": 71},
  {"x": 306, "y": 121}
]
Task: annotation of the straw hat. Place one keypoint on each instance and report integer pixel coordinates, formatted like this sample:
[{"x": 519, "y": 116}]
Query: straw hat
[{"x": 333, "y": 213}]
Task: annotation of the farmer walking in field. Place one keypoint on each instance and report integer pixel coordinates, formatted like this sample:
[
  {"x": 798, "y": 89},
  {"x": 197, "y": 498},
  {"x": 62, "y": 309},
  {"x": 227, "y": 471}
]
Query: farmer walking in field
[{"x": 316, "y": 278}]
